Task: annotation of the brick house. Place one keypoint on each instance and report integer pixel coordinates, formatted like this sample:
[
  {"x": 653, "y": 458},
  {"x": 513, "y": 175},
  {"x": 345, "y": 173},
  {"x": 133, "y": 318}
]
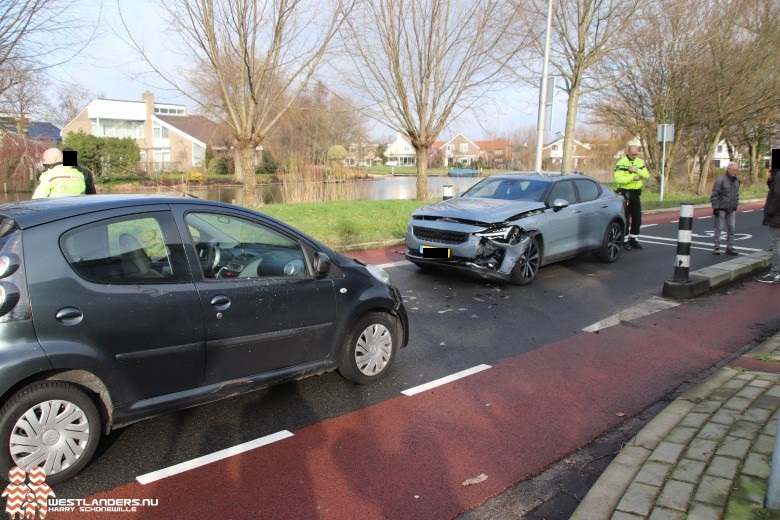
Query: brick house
[{"x": 168, "y": 137}]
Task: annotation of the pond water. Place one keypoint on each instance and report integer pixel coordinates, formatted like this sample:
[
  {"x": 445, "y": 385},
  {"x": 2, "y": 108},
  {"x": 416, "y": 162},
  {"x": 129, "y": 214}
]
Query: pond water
[{"x": 390, "y": 188}]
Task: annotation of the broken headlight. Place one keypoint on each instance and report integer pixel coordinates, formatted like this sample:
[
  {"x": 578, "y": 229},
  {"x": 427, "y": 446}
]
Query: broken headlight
[{"x": 506, "y": 234}]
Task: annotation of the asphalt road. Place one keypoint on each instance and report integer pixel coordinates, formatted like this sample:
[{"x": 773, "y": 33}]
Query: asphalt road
[{"x": 541, "y": 389}]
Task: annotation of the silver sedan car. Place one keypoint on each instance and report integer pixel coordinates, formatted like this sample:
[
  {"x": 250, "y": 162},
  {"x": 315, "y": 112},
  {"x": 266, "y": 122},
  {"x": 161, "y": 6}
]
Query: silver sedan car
[{"x": 507, "y": 226}]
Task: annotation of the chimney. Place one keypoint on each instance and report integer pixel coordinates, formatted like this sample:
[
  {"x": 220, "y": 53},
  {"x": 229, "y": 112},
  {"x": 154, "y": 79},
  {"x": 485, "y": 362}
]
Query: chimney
[{"x": 148, "y": 146}]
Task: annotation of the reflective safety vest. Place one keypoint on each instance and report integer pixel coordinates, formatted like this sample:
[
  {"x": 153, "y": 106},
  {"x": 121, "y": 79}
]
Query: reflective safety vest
[
  {"x": 60, "y": 181},
  {"x": 625, "y": 179}
]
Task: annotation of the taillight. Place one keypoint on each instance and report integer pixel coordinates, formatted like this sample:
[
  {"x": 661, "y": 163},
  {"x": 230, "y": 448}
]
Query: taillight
[
  {"x": 9, "y": 297},
  {"x": 9, "y": 263}
]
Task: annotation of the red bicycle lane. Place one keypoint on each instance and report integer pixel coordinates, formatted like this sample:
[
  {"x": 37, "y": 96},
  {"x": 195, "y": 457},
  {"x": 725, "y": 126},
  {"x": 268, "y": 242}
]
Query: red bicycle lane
[{"x": 409, "y": 457}]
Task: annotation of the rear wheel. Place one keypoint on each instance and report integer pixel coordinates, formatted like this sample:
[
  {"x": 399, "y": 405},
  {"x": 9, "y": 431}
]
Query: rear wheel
[
  {"x": 527, "y": 265},
  {"x": 52, "y": 425},
  {"x": 612, "y": 245},
  {"x": 370, "y": 348}
]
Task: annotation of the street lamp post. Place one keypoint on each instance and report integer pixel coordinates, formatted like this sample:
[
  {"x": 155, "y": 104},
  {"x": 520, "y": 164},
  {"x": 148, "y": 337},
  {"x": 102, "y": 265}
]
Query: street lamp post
[{"x": 543, "y": 92}]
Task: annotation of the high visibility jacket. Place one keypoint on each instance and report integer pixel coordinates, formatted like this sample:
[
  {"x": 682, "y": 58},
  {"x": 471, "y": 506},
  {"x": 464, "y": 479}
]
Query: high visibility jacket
[
  {"x": 625, "y": 179},
  {"x": 60, "y": 181}
]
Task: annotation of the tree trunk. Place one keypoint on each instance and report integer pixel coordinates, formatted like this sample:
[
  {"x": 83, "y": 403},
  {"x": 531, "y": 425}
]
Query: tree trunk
[
  {"x": 245, "y": 166},
  {"x": 567, "y": 161},
  {"x": 705, "y": 167},
  {"x": 422, "y": 174}
]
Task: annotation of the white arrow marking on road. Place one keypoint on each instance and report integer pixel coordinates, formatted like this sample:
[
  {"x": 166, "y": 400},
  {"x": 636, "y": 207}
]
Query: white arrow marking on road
[{"x": 651, "y": 306}]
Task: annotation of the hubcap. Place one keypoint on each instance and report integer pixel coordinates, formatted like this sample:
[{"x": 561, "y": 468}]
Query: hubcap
[
  {"x": 373, "y": 349},
  {"x": 51, "y": 435}
]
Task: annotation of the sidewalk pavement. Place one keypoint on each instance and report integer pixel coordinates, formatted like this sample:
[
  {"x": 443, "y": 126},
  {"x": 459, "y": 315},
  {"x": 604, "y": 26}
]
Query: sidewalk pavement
[{"x": 708, "y": 455}]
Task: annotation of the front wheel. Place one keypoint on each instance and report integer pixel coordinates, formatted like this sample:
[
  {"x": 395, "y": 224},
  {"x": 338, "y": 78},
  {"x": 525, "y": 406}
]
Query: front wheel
[
  {"x": 527, "y": 265},
  {"x": 370, "y": 348},
  {"x": 52, "y": 425},
  {"x": 612, "y": 244}
]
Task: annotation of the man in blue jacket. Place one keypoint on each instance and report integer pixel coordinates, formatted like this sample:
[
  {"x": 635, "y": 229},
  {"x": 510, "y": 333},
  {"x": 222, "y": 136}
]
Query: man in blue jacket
[{"x": 725, "y": 199}]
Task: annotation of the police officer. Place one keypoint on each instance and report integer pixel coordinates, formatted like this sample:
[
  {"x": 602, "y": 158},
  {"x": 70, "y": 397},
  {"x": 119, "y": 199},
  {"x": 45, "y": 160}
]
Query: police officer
[
  {"x": 630, "y": 175},
  {"x": 58, "y": 180}
]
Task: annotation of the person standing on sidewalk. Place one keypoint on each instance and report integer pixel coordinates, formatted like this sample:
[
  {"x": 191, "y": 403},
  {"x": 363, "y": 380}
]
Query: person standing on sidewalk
[
  {"x": 725, "y": 199},
  {"x": 772, "y": 219},
  {"x": 630, "y": 175}
]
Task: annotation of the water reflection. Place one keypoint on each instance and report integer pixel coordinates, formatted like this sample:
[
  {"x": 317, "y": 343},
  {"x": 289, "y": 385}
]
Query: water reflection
[{"x": 391, "y": 188}]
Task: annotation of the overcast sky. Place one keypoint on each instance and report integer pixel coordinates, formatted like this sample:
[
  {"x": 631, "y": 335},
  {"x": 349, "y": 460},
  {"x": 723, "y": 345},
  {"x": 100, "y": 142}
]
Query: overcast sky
[{"x": 111, "y": 69}]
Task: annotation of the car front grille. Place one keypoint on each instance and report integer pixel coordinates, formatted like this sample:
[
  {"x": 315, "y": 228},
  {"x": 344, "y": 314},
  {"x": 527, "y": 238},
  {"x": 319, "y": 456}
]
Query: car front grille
[{"x": 439, "y": 235}]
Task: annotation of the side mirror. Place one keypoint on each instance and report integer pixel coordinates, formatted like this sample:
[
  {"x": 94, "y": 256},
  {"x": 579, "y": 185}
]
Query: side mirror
[
  {"x": 322, "y": 264},
  {"x": 559, "y": 204}
]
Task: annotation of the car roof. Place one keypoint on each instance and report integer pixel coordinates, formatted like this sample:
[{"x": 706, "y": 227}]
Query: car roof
[
  {"x": 543, "y": 176},
  {"x": 29, "y": 213}
]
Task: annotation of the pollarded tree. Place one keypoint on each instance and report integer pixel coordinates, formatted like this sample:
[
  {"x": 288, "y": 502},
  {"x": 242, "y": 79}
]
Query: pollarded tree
[
  {"x": 584, "y": 32},
  {"x": 253, "y": 59},
  {"x": 421, "y": 63}
]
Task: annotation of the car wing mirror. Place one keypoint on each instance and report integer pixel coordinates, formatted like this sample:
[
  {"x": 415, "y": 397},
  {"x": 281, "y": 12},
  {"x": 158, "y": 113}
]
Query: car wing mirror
[
  {"x": 322, "y": 264},
  {"x": 559, "y": 204}
]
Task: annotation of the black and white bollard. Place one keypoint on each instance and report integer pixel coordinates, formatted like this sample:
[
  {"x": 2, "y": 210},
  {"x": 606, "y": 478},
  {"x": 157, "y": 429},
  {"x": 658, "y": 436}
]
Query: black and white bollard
[
  {"x": 680, "y": 286},
  {"x": 683, "y": 263}
]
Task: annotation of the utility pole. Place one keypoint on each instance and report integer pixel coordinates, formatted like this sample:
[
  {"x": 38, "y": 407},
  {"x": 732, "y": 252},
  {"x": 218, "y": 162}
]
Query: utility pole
[{"x": 543, "y": 92}]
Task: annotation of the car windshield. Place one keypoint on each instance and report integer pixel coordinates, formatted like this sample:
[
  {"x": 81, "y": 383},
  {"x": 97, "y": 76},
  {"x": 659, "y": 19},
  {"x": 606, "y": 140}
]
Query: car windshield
[{"x": 509, "y": 189}]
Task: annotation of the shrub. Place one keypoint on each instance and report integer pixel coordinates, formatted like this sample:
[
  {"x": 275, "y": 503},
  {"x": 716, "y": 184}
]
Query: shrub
[{"x": 197, "y": 176}]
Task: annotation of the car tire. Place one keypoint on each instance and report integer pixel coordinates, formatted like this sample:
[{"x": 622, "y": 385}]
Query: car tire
[
  {"x": 61, "y": 447},
  {"x": 527, "y": 265},
  {"x": 612, "y": 244},
  {"x": 369, "y": 349}
]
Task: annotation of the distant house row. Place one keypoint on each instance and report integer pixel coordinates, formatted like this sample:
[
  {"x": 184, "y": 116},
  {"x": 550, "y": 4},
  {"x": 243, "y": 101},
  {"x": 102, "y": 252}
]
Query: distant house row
[
  {"x": 458, "y": 151},
  {"x": 170, "y": 138}
]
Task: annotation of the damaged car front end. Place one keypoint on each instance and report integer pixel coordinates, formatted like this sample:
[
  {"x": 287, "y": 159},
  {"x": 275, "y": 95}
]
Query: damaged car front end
[
  {"x": 499, "y": 251},
  {"x": 507, "y": 226}
]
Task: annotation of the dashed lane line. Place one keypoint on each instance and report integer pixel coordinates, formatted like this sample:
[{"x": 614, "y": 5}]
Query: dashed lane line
[
  {"x": 444, "y": 380},
  {"x": 212, "y": 457}
]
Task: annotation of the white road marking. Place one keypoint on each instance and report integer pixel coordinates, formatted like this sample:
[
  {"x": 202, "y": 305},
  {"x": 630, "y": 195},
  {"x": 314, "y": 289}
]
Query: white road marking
[
  {"x": 394, "y": 264},
  {"x": 212, "y": 457},
  {"x": 673, "y": 241},
  {"x": 651, "y": 306},
  {"x": 445, "y": 380}
]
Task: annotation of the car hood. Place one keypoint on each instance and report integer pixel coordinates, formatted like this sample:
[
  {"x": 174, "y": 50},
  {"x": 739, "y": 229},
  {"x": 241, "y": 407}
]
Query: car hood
[{"x": 477, "y": 210}]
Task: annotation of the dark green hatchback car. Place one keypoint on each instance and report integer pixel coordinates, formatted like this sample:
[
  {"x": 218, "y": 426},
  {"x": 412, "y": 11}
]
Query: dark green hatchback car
[{"x": 114, "y": 309}]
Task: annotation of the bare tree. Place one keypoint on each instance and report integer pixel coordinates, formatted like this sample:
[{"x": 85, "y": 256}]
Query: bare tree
[
  {"x": 421, "y": 63},
  {"x": 649, "y": 81},
  {"x": 254, "y": 57},
  {"x": 36, "y": 34},
  {"x": 733, "y": 90},
  {"x": 71, "y": 100},
  {"x": 583, "y": 33}
]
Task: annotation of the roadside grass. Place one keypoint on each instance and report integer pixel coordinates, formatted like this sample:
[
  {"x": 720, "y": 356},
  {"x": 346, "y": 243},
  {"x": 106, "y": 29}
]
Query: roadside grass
[
  {"x": 762, "y": 356},
  {"x": 361, "y": 224},
  {"x": 352, "y": 224}
]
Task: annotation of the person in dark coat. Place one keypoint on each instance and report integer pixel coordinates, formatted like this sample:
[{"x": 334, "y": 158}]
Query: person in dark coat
[
  {"x": 725, "y": 199},
  {"x": 772, "y": 219}
]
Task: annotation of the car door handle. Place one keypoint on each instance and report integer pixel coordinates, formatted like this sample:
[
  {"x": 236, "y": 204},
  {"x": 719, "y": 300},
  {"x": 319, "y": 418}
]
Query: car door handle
[
  {"x": 577, "y": 211},
  {"x": 220, "y": 302},
  {"x": 69, "y": 316}
]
